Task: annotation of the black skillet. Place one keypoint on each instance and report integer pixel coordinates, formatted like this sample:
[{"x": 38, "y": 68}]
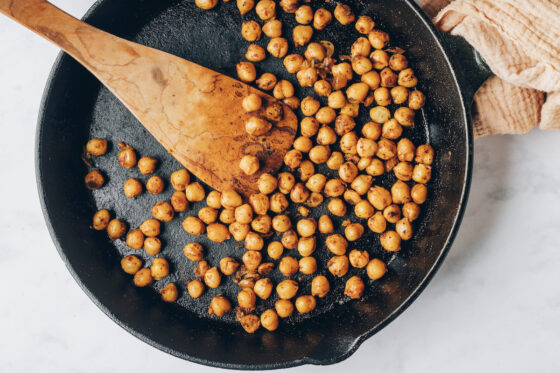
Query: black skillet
[{"x": 76, "y": 107}]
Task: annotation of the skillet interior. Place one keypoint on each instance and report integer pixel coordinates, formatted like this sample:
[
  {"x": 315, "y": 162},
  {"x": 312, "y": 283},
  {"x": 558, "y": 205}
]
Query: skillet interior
[{"x": 76, "y": 108}]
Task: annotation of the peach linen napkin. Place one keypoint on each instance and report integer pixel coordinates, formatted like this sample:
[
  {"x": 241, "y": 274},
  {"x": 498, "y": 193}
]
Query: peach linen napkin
[{"x": 520, "y": 41}]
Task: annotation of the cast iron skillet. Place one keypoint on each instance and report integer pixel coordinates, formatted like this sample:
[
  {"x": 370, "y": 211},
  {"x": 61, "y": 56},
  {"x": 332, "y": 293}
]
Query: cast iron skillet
[{"x": 75, "y": 108}]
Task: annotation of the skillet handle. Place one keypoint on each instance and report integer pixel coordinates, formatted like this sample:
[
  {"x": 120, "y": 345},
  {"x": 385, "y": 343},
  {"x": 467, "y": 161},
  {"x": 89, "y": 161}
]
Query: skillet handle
[{"x": 470, "y": 68}]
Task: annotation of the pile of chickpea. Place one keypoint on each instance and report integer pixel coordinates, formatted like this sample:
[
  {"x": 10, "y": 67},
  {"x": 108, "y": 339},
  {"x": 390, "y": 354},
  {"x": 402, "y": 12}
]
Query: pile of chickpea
[{"x": 376, "y": 76}]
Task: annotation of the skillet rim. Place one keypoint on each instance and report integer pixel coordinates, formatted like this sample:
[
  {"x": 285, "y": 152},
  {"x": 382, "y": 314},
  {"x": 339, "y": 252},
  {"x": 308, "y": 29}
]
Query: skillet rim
[{"x": 467, "y": 120}]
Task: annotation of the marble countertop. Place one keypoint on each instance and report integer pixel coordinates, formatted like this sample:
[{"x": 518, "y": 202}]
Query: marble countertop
[{"x": 493, "y": 306}]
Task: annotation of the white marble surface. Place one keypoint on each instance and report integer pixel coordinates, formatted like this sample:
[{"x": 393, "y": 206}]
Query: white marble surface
[{"x": 493, "y": 306}]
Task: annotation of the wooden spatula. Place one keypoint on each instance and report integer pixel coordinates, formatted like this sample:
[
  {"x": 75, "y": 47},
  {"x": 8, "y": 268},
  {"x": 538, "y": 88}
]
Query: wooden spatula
[{"x": 194, "y": 112}]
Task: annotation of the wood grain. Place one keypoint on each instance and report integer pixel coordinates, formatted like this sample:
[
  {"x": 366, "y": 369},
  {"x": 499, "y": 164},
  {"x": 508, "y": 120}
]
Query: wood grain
[{"x": 194, "y": 112}]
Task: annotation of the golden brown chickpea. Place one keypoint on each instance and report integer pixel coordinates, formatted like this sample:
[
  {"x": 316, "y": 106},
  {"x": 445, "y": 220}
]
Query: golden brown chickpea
[
  {"x": 319, "y": 154},
  {"x": 131, "y": 264},
  {"x": 351, "y": 197},
  {"x": 245, "y": 6},
  {"x": 376, "y": 269},
  {"x": 363, "y": 210},
  {"x": 288, "y": 266},
  {"x": 334, "y": 188},
  {"x": 169, "y": 293},
  {"x": 364, "y": 24},
  {"x": 336, "y": 100},
  {"x": 155, "y": 185},
  {"x": 307, "y": 76},
  {"x": 302, "y": 34},
  {"x": 163, "y": 211},
  {"x": 179, "y": 201},
  {"x": 287, "y": 289},
  {"x": 116, "y": 229},
  {"x": 266, "y": 82},
  {"x": 255, "y": 53},
  {"x": 231, "y": 199},
  {"x": 262, "y": 224},
  {"x": 94, "y": 180},
  {"x": 388, "y": 78},
  {"x": 135, "y": 239},
  {"x": 364, "y": 162},
  {"x": 405, "y": 150},
  {"x": 96, "y": 146},
  {"x": 390, "y": 241},
  {"x": 263, "y": 288},
  {"x": 252, "y": 102},
  {"x": 314, "y": 200},
  {"x": 337, "y": 207},
  {"x": 250, "y": 323},
  {"x": 407, "y": 78},
  {"x": 371, "y": 130},
  {"x": 358, "y": 259},
  {"x": 372, "y": 79},
  {"x": 354, "y": 288},
  {"x": 320, "y": 286},
  {"x": 361, "y": 65},
  {"x": 304, "y": 15},
  {"x": 277, "y": 47},
  {"x": 150, "y": 227},
  {"x": 424, "y": 154},
  {"x": 326, "y": 136},
  {"x": 267, "y": 183},
  {"x": 159, "y": 268},
  {"x": 303, "y": 144},
  {"x": 380, "y": 114},
  {"x": 249, "y": 164},
  {"x": 344, "y": 124},
  {"x": 386, "y": 149},
  {"x": 380, "y": 60},
  {"x": 322, "y": 88},
  {"x": 348, "y": 172},
  {"x": 316, "y": 183},
  {"x": 283, "y": 89},
  {"x": 251, "y": 31},
  {"x": 239, "y": 231},
  {"x": 377, "y": 223},
  {"x": 325, "y": 224},
  {"x": 244, "y": 214},
  {"x": 219, "y": 306},
  {"x": 201, "y": 268},
  {"x": 247, "y": 299},
  {"x": 379, "y": 197},
  {"x": 306, "y": 227},
  {"x": 212, "y": 278},
  {"x": 281, "y": 223},
  {"x": 336, "y": 244},
  {"x": 382, "y": 96},
  {"x": 194, "y": 226},
  {"x": 252, "y": 259},
  {"x": 403, "y": 171},
  {"x": 309, "y": 106},
  {"x": 260, "y": 203},
  {"x": 422, "y": 173},
  {"x": 246, "y": 71},
  {"x": 278, "y": 203},
  {"x": 269, "y": 320},
  {"x": 404, "y": 229},
  {"x": 272, "y": 28},
  {"x": 366, "y": 148},
  {"x": 217, "y": 232},
  {"x": 306, "y": 246},
  {"x": 308, "y": 265},
  {"x": 289, "y": 6},
  {"x": 274, "y": 112},
  {"x": 351, "y": 109},
  {"x": 293, "y": 158},
  {"x": 398, "y": 62},
  {"x": 253, "y": 241},
  {"x": 411, "y": 211},
  {"x": 361, "y": 47},
  {"x": 338, "y": 265},
  {"x": 127, "y": 155},
  {"x": 392, "y": 130},
  {"x": 266, "y": 9},
  {"x": 357, "y": 92},
  {"x": 143, "y": 277},
  {"x": 292, "y": 102},
  {"x": 419, "y": 193},
  {"x": 206, "y": 4},
  {"x": 101, "y": 220},
  {"x": 293, "y": 63},
  {"x": 349, "y": 143},
  {"x": 344, "y": 14},
  {"x": 289, "y": 239},
  {"x": 335, "y": 161},
  {"x": 180, "y": 179},
  {"x": 354, "y": 231},
  {"x": 321, "y": 18},
  {"x": 275, "y": 250},
  {"x": 152, "y": 245},
  {"x": 315, "y": 51},
  {"x": 378, "y": 39},
  {"x": 284, "y": 308},
  {"x": 405, "y": 116},
  {"x": 375, "y": 168}
]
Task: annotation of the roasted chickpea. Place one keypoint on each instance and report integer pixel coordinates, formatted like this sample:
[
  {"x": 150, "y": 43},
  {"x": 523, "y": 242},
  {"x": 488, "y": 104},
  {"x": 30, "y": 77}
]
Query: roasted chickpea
[
  {"x": 212, "y": 278},
  {"x": 320, "y": 286},
  {"x": 245, "y": 6},
  {"x": 344, "y": 124},
  {"x": 363, "y": 210},
  {"x": 303, "y": 144},
  {"x": 404, "y": 229},
  {"x": 319, "y": 154},
  {"x": 283, "y": 89},
  {"x": 337, "y": 207},
  {"x": 289, "y": 6},
  {"x": 376, "y": 269},
  {"x": 344, "y": 14},
  {"x": 249, "y": 164},
  {"x": 308, "y": 265},
  {"x": 239, "y": 231},
  {"x": 354, "y": 231},
  {"x": 316, "y": 183},
  {"x": 293, "y": 63},
  {"x": 305, "y": 303},
  {"x": 287, "y": 289},
  {"x": 334, "y": 188},
  {"x": 127, "y": 155},
  {"x": 407, "y": 78},
  {"x": 131, "y": 264},
  {"x": 101, "y": 220},
  {"x": 247, "y": 299},
  {"x": 150, "y": 227},
  {"x": 116, "y": 229},
  {"x": 154, "y": 185},
  {"x": 227, "y": 216},
  {"x": 378, "y": 39},
  {"x": 335, "y": 160},
  {"x": 422, "y": 173},
  {"x": 180, "y": 179},
  {"x": 358, "y": 259},
  {"x": 260, "y": 203},
  {"x": 399, "y": 94},
  {"x": 326, "y": 136},
  {"x": 302, "y": 35},
  {"x": 354, "y": 288},
  {"x": 252, "y": 259},
  {"x": 309, "y": 106},
  {"x": 304, "y": 15},
  {"x": 321, "y": 18},
  {"x": 307, "y": 76},
  {"x": 338, "y": 265},
  {"x": 262, "y": 224},
  {"x": 169, "y": 293},
  {"x": 405, "y": 150},
  {"x": 293, "y": 158},
  {"x": 195, "y": 192},
  {"x": 380, "y": 60},
  {"x": 361, "y": 47},
  {"x": 152, "y": 245},
  {"x": 179, "y": 201},
  {"x": 266, "y": 9},
  {"x": 380, "y": 114},
  {"x": 419, "y": 193},
  {"x": 390, "y": 241},
  {"x": 392, "y": 130},
  {"x": 255, "y": 53},
  {"x": 194, "y": 226},
  {"x": 263, "y": 288},
  {"x": 284, "y": 308},
  {"x": 289, "y": 239},
  {"x": 411, "y": 211},
  {"x": 375, "y": 168},
  {"x": 361, "y": 65},
  {"x": 266, "y": 81},
  {"x": 405, "y": 116},
  {"x": 288, "y": 266},
  {"x": 219, "y": 305},
  {"x": 159, "y": 268},
  {"x": 278, "y": 203},
  {"x": 348, "y": 172},
  {"x": 349, "y": 143},
  {"x": 306, "y": 227},
  {"x": 364, "y": 24},
  {"x": 379, "y": 197},
  {"x": 352, "y": 197},
  {"x": 377, "y": 223},
  {"x": 314, "y": 51},
  {"x": 252, "y": 102},
  {"x": 246, "y": 71},
  {"x": 336, "y": 244},
  {"x": 281, "y": 223},
  {"x": 277, "y": 47},
  {"x": 251, "y": 30},
  {"x": 231, "y": 199},
  {"x": 382, "y": 96},
  {"x": 194, "y": 251},
  {"x": 325, "y": 224},
  {"x": 274, "y": 112},
  {"x": 244, "y": 214},
  {"x": 424, "y": 154},
  {"x": 322, "y": 88},
  {"x": 292, "y": 102},
  {"x": 364, "y": 162},
  {"x": 275, "y": 250},
  {"x": 357, "y": 92},
  {"x": 398, "y": 62},
  {"x": 217, "y": 232},
  {"x": 388, "y": 78},
  {"x": 269, "y": 320},
  {"x": 314, "y": 200},
  {"x": 253, "y": 241},
  {"x": 250, "y": 323},
  {"x": 336, "y": 100},
  {"x": 206, "y": 4},
  {"x": 306, "y": 246},
  {"x": 135, "y": 239},
  {"x": 403, "y": 171},
  {"x": 267, "y": 183},
  {"x": 163, "y": 211},
  {"x": 386, "y": 149},
  {"x": 201, "y": 268},
  {"x": 143, "y": 278},
  {"x": 272, "y": 28},
  {"x": 94, "y": 180},
  {"x": 96, "y": 146}
]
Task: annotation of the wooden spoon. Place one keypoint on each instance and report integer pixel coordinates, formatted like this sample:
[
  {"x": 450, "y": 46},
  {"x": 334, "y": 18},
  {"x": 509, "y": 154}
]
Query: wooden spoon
[{"x": 194, "y": 112}]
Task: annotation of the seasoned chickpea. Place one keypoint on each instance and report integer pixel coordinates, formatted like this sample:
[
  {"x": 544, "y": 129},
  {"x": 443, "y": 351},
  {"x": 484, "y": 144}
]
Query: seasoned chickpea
[
  {"x": 424, "y": 154},
  {"x": 411, "y": 211},
  {"x": 227, "y": 216},
  {"x": 382, "y": 96},
  {"x": 274, "y": 112},
  {"x": 361, "y": 184},
  {"x": 325, "y": 224},
  {"x": 319, "y": 154},
  {"x": 378, "y": 39},
  {"x": 336, "y": 244},
  {"x": 398, "y": 62},
  {"x": 375, "y": 168},
  {"x": 143, "y": 277},
  {"x": 281, "y": 223},
  {"x": 278, "y": 203},
  {"x": 306, "y": 246},
  {"x": 159, "y": 268},
  {"x": 169, "y": 293},
  {"x": 316, "y": 183},
  {"x": 269, "y": 320},
  {"x": 275, "y": 250},
  {"x": 250, "y": 323},
  {"x": 351, "y": 109},
  {"x": 304, "y": 15},
  {"x": 326, "y": 136},
  {"x": 404, "y": 229},
  {"x": 277, "y": 47},
  {"x": 405, "y": 116},
  {"x": 388, "y": 78},
  {"x": 94, "y": 180},
  {"x": 131, "y": 264},
  {"x": 194, "y": 226},
  {"x": 392, "y": 213},
  {"x": 249, "y": 164},
  {"x": 288, "y": 266},
  {"x": 390, "y": 241},
  {"x": 306, "y": 227},
  {"x": 152, "y": 245},
  {"x": 334, "y": 188},
  {"x": 135, "y": 239},
  {"x": 251, "y": 31},
  {"x": 407, "y": 78},
  {"x": 293, "y": 158},
  {"x": 349, "y": 143},
  {"x": 116, "y": 229},
  {"x": 244, "y": 214},
  {"x": 284, "y": 308},
  {"x": 361, "y": 47},
  {"x": 212, "y": 278},
  {"x": 307, "y": 76},
  {"x": 419, "y": 193},
  {"x": 379, "y": 197},
  {"x": 336, "y": 100},
  {"x": 302, "y": 35},
  {"x": 289, "y": 239},
  {"x": 266, "y": 9},
  {"x": 422, "y": 173},
  {"x": 405, "y": 150},
  {"x": 392, "y": 130},
  {"x": 217, "y": 232},
  {"x": 292, "y": 102},
  {"x": 260, "y": 203},
  {"x": 358, "y": 259},
  {"x": 309, "y": 106},
  {"x": 377, "y": 223},
  {"x": 315, "y": 51},
  {"x": 321, "y": 18},
  {"x": 180, "y": 179},
  {"x": 403, "y": 171},
  {"x": 399, "y": 94},
  {"x": 247, "y": 299},
  {"x": 245, "y": 6},
  {"x": 309, "y": 125},
  {"x": 344, "y": 124},
  {"x": 96, "y": 146},
  {"x": 201, "y": 268},
  {"x": 303, "y": 144},
  {"x": 267, "y": 183},
  {"x": 320, "y": 286},
  {"x": 293, "y": 63},
  {"x": 348, "y": 172},
  {"x": 252, "y": 102},
  {"x": 354, "y": 231},
  {"x": 354, "y": 288},
  {"x": 272, "y": 28},
  {"x": 246, "y": 71},
  {"x": 283, "y": 89},
  {"x": 337, "y": 207},
  {"x": 289, "y": 6},
  {"x": 357, "y": 92},
  {"x": 364, "y": 24},
  {"x": 335, "y": 160},
  {"x": 380, "y": 60},
  {"x": 219, "y": 306},
  {"x": 361, "y": 65},
  {"x": 266, "y": 81},
  {"x": 308, "y": 265},
  {"x": 344, "y": 14},
  {"x": 179, "y": 201},
  {"x": 263, "y": 288},
  {"x": 255, "y": 53},
  {"x": 352, "y": 197},
  {"x": 194, "y": 251},
  {"x": 363, "y": 210},
  {"x": 239, "y": 231},
  {"x": 380, "y": 114},
  {"x": 206, "y": 4},
  {"x": 163, "y": 211},
  {"x": 287, "y": 289},
  {"x": 305, "y": 303},
  {"x": 155, "y": 185},
  {"x": 252, "y": 259},
  {"x": 386, "y": 149},
  {"x": 253, "y": 241},
  {"x": 364, "y": 162},
  {"x": 314, "y": 200},
  {"x": 322, "y": 88},
  {"x": 231, "y": 199},
  {"x": 127, "y": 155},
  {"x": 262, "y": 224},
  {"x": 376, "y": 269},
  {"x": 338, "y": 265},
  {"x": 101, "y": 220},
  {"x": 151, "y": 227}
]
